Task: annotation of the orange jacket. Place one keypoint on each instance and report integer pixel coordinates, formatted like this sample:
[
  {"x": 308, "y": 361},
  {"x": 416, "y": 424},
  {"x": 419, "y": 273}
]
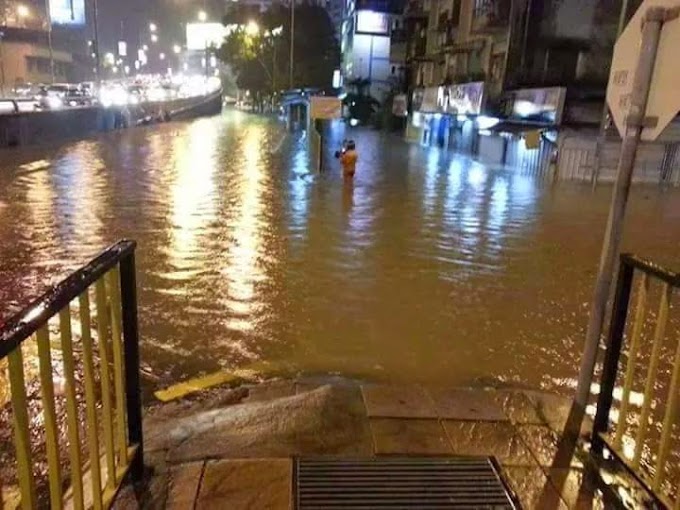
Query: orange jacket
[{"x": 349, "y": 161}]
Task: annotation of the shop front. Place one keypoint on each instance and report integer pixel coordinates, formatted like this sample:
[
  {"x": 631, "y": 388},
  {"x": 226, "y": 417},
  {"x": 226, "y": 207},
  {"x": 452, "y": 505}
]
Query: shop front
[
  {"x": 445, "y": 116},
  {"x": 523, "y": 135}
]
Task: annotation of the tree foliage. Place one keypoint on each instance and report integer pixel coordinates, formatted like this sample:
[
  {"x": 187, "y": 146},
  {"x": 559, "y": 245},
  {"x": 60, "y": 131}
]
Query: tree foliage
[{"x": 261, "y": 58}]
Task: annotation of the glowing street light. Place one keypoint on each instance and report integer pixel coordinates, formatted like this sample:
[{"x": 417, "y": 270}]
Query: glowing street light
[
  {"x": 154, "y": 38},
  {"x": 176, "y": 49},
  {"x": 252, "y": 28},
  {"x": 202, "y": 16},
  {"x": 145, "y": 47},
  {"x": 162, "y": 56},
  {"x": 23, "y": 11},
  {"x": 153, "y": 27}
]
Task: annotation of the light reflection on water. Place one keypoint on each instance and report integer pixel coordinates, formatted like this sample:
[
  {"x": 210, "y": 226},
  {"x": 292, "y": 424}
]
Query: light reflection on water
[{"x": 426, "y": 268}]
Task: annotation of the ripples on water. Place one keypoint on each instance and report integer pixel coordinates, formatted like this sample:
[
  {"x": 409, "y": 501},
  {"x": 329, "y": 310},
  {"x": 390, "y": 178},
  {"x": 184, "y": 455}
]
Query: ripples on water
[{"x": 427, "y": 267}]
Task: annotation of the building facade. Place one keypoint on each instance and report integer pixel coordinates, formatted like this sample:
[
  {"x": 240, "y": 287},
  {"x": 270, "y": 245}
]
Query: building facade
[
  {"x": 367, "y": 29},
  {"x": 497, "y": 78}
]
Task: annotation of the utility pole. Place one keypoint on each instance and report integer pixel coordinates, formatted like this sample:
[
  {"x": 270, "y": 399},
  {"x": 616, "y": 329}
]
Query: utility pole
[
  {"x": 292, "y": 40},
  {"x": 97, "y": 58},
  {"x": 651, "y": 31},
  {"x": 49, "y": 37},
  {"x": 2, "y": 66},
  {"x": 599, "y": 145}
]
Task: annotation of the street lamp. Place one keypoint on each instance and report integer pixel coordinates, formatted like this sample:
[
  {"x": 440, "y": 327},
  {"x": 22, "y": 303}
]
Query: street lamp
[
  {"x": 176, "y": 49},
  {"x": 252, "y": 28},
  {"x": 154, "y": 38},
  {"x": 202, "y": 16},
  {"x": 23, "y": 11},
  {"x": 162, "y": 56},
  {"x": 153, "y": 27}
]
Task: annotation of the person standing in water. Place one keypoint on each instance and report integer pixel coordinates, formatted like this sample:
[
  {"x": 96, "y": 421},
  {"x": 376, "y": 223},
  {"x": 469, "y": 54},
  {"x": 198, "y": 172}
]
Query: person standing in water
[{"x": 348, "y": 159}]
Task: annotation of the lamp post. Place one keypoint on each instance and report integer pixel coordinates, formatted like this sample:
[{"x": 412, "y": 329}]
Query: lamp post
[
  {"x": 49, "y": 38},
  {"x": 292, "y": 40}
]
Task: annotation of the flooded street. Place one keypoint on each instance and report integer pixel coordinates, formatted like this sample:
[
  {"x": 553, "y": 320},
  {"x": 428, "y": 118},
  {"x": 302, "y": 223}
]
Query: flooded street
[{"x": 430, "y": 267}]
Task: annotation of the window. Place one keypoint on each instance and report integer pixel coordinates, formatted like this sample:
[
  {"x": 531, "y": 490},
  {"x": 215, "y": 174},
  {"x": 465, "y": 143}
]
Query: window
[{"x": 394, "y": 69}]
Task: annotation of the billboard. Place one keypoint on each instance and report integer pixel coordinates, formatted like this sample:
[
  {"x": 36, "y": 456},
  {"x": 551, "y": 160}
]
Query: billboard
[
  {"x": 371, "y": 22},
  {"x": 462, "y": 98},
  {"x": 538, "y": 105},
  {"x": 67, "y": 12},
  {"x": 326, "y": 107},
  {"x": 204, "y": 35}
]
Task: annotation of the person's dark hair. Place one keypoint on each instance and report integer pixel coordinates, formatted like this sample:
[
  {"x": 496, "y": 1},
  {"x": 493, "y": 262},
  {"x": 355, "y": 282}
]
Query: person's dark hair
[{"x": 350, "y": 145}]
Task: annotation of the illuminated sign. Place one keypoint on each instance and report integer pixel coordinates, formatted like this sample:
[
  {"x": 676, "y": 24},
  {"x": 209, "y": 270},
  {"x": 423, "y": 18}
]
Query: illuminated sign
[
  {"x": 204, "y": 35},
  {"x": 538, "y": 105},
  {"x": 400, "y": 105},
  {"x": 461, "y": 99},
  {"x": 326, "y": 107},
  {"x": 67, "y": 12},
  {"x": 370, "y": 22},
  {"x": 122, "y": 49}
]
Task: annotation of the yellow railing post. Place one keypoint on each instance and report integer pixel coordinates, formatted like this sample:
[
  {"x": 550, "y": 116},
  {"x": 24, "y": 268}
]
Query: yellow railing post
[
  {"x": 668, "y": 420},
  {"x": 90, "y": 399},
  {"x": 113, "y": 284},
  {"x": 71, "y": 407},
  {"x": 22, "y": 437},
  {"x": 632, "y": 356},
  {"x": 51, "y": 433},
  {"x": 659, "y": 333},
  {"x": 103, "y": 337}
]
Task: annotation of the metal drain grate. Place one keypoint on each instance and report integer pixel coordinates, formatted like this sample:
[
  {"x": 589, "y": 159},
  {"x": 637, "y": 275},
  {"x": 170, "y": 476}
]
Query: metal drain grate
[{"x": 463, "y": 482}]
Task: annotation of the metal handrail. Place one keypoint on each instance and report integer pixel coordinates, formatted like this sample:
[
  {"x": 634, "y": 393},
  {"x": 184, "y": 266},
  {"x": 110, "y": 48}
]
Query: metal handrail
[
  {"x": 601, "y": 440},
  {"x": 112, "y": 274}
]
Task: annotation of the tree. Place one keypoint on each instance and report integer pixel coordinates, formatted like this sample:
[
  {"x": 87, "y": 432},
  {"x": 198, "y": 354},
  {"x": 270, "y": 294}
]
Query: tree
[
  {"x": 258, "y": 44},
  {"x": 362, "y": 106}
]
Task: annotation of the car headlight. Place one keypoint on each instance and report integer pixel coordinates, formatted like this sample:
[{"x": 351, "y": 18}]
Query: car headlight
[{"x": 54, "y": 102}]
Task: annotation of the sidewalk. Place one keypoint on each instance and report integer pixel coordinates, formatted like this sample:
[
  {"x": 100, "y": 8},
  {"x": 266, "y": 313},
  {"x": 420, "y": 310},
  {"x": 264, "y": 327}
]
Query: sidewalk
[{"x": 233, "y": 448}]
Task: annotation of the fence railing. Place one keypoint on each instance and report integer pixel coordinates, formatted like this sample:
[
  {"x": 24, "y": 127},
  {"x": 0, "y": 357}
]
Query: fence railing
[
  {"x": 87, "y": 326},
  {"x": 643, "y": 425}
]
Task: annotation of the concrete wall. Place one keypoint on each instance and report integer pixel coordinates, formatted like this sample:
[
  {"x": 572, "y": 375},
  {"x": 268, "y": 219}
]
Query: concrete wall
[
  {"x": 29, "y": 63},
  {"x": 31, "y": 128}
]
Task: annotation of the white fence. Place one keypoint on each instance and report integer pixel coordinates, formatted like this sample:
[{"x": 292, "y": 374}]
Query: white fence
[{"x": 655, "y": 162}]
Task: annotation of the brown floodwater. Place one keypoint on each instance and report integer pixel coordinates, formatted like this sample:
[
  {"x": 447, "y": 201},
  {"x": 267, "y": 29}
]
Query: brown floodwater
[{"x": 429, "y": 267}]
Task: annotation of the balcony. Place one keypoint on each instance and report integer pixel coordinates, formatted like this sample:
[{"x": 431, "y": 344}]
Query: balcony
[
  {"x": 388, "y": 6},
  {"x": 491, "y": 15}
]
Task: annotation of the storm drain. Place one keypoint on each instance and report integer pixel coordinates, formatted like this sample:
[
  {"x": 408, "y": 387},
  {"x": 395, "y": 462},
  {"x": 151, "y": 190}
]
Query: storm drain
[{"x": 405, "y": 483}]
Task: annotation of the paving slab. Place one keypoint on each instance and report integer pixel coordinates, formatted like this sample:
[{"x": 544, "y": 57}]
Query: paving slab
[
  {"x": 549, "y": 449},
  {"x": 183, "y": 483},
  {"x": 576, "y": 488},
  {"x": 393, "y": 436},
  {"x": 498, "y": 439},
  {"x": 533, "y": 489},
  {"x": 384, "y": 401},
  {"x": 519, "y": 408},
  {"x": 252, "y": 484},
  {"x": 467, "y": 404}
]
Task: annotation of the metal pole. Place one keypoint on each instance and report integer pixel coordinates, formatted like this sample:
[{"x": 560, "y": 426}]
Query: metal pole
[
  {"x": 2, "y": 66},
  {"x": 599, "y": 145},
  {"x": 49, "y": 38},
  {"x": 651, "y": 31},
  {"x": 292, "y": 40},
  {"x": 97, "y": 59}
]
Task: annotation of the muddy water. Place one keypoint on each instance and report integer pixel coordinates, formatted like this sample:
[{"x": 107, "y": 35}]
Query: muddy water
[{"x": 429, "y": 267}]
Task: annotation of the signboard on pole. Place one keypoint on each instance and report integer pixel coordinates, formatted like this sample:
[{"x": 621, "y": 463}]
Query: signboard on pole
[
  {"x": 323, "y": 107},
  {"x": 67, "y": 12},
  {"x": 400, "y": 105},
  {"x": 663, "y": 103}
]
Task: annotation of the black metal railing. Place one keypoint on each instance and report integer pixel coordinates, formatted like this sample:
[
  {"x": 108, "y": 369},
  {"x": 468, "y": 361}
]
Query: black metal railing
[
  {"x": 108, "y": 326},
  {"x": 625, "y": 432}
]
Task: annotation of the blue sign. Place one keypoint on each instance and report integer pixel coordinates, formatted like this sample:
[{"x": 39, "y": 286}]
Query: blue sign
[{"x": 67, "y": 12}]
